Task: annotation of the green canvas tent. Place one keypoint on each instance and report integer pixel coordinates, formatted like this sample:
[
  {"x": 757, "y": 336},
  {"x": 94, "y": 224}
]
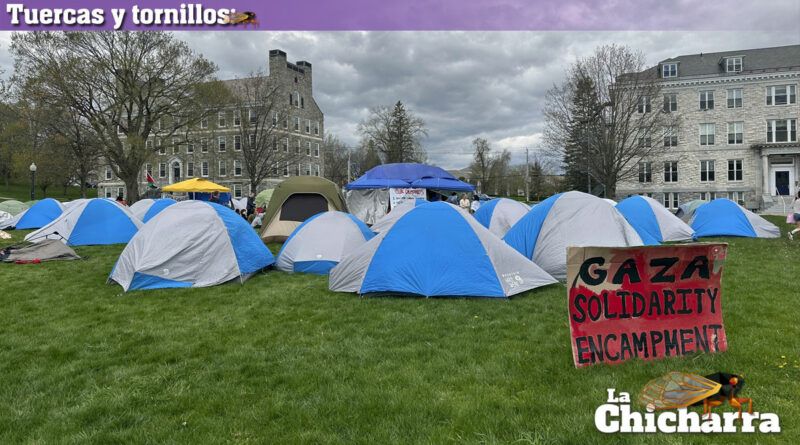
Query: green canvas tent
[
  {"x": 13, "y": 207},
  {"x": 294, "y": 201},
  {"x": 263, "y": 197}
]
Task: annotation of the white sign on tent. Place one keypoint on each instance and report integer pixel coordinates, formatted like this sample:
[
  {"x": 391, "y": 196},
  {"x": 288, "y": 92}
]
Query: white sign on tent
[{"x": 398, "y": 196}]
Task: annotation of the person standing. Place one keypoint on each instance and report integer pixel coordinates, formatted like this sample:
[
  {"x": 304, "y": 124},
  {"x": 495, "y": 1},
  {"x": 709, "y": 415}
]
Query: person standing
[
  {"x": 453, "y": 199},
  {"x": 796, "y": 214},
  {"x": 251, "y": 203},
  {"x": 464, "y": 203},
  {"x": 214, "y": 197}
]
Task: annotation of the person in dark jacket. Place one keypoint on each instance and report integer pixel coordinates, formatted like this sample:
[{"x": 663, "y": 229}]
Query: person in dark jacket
[
  {"x": 214, "y": 197},
  {"x": 251, "y": 204}
]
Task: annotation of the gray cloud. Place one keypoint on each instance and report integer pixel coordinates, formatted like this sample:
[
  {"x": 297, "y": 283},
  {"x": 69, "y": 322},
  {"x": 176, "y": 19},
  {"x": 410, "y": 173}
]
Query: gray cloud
[{"x": 463, "y": 84}]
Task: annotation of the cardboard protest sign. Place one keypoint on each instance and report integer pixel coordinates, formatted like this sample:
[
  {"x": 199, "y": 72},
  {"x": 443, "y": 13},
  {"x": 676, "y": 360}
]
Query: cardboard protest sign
[
  {"x": 399, "y": 195},
  {"x": 644, "y": 302}
]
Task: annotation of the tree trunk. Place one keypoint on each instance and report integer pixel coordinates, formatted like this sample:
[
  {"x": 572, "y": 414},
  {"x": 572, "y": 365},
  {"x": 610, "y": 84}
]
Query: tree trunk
[
  {"x": 83, "y": 189},
  {"x": 132, "y": 186}
]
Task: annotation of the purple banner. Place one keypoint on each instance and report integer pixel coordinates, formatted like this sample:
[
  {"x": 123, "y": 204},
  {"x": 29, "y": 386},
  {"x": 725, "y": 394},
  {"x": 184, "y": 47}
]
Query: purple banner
[{"x": 314, "y": 15}]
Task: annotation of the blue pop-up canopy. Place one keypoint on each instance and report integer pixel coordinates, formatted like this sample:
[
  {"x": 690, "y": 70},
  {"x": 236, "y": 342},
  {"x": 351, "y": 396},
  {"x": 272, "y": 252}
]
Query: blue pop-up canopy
[{"x": 409, "y": 175}]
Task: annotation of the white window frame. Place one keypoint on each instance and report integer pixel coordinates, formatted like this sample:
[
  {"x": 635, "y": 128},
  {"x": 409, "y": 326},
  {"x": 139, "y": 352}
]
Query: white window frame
[
  {"x": 237, "y": 190},
  {"x": 731, "y": 65},
  {"x": 708, "y": 196},
  {"x": 791, "y": 95},
  {"x": 204, "y": 169},
  {"x": 791, "y": 130},
  {"x": 237, "y": 166},
  {"x": 316, "y": 128},
  {"x": 710, "y": 137},
  {"x": 286, "y": 145},
  {"x": 671, "y": 200},
  {"x": 737, "y": 102},
  {"x": 669, "y": 70},
  {"x": 162, "y": 169},
  {"x": 176, "y": 146},
  {"x": 297, "y": 146},
  {"x": 740, "y": 133},
  {"x": 308, "y": 169},
  {"x": 296, "y": 124},
  {"x": 222, "y": 144},
  {"x": 237, "y": 118},
  {"x": 671, "y": 172},
  {"x": 308, "y": 126},
  {"x": 190, "y": 169},
  {"x": 316, "y": 149},
  {"x": 237, "y": 141},
  {"x": 204, "y": 122},
  {"x": 286, "y": 169},
  {"x": 308, "y": 148},
  {"x": 316, "y": 173},
  {"x": 222, "y": 121},
  {"x": 708, "y": 167},
  {"x": 643, "y": 106},
  {"x": 707, "y": 96},
  {"x": 222, "y": 168},
  {"x": 670, "y": 105},
  {"x": 738, "y": 167},
  {"x": 203, "y": 145},
  {"x": 645, "y": 171},
  {"x": 108, "y": 174},
  {"x": 190, "y": 147},
  {"x": 737, "y": 197}
]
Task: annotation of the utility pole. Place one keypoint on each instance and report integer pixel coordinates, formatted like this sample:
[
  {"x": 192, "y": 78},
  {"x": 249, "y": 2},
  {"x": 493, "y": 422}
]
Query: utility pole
[
  {"x": 527, "y": 178},
  {"x": 588, "y": 151},
  {"x": 348, "y": 164}
]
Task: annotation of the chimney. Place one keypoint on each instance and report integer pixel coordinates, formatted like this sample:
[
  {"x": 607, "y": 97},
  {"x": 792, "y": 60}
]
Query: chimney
[{"x": 277, "y": 61}]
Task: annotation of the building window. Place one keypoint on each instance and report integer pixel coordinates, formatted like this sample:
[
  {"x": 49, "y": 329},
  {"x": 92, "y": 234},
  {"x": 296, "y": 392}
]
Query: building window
[
  {"x": 643, "y": 139},
  {"x": 707, "y": 132},
  {"x": 734, "y": 170},
  {"x": 308, "y": 148},
  {"x": 286, "y": 123},
  {"x": 316, "y": 172},
  {"x": 237, "y": 190},
  {"x": 286, "y": 145},
  {"x": 670, "y": 102},
  {"x": 274, "y": 118},
  {"x": 108, "y": 174},
  {"x": 223, "y": 168},
  {"x": 316, "y": 128},
  {"x": 297, "y": 170},
  {"x": 708, "y": 196},
  {"x": 204, "y": 122},
  {"x": 286, "y": 169},
  {"x": 671, "y": 171},
  {"x": 204, "y": 169},
  {"x": 252, "y": 117},
  {"x": 162, "y": 150},
  {"x": 782, "y": 130},
  {"x": 107, "y": 191},
  {"x": 669, "y": 70},
  {"x": 706, "y": 171},
  {"x": 670, "y": 136},
  {"x": 204, "y": 145},
  {"x": 671, "y": 200},
  {"x": 316, "y": 150},
  {"x": 781, "y": 95},
  {"x": 308, "y": 169},
  {"x": 237, "y": 143},
  {"x": 645, "y": 172},
  {"x": 644, "y": 104},
  {"x": 302, "y": 102},
  {"x": 274, "y": 143},
  {"x": 733, "y": 64},
  {"x": 237, "y": 167},
  {"x": 190, "y": 169},
  {"x": 149, "y": 144},
  {"x": 297, "y": 146},
  {"x": 119, "y": 129},
  {"x": 221, "y": 120},
  {"x": 237, "y": 118},
  {"x": 121, "y": 191},
  {"x": 297, "y": 124},
  {"x": 222, "y": 143},
  {"x": 162, "y": 170},
  {"x": 297, "y": 99},
  {"x": 275, "y": 169},
  {"x": 175, "y": 147},
  {"x": 308, "y": 126},
  {"x": 706, "y": 100},
  {"x": 735, "y": 98},
  {"x": 190, "y": 147},
  {"x": 251, "y": 140},
  {"x": 735, "y": 133},
  {"x": 737, "y": 197}
]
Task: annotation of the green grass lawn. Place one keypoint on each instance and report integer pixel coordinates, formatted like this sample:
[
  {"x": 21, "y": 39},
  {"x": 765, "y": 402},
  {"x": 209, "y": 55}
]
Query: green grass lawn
[
  {"x": 22, "y": 192},
  {"x": 280, "y": 359}
]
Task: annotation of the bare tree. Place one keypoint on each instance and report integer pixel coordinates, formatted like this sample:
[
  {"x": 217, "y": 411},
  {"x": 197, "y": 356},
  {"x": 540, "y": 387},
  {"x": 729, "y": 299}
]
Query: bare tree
[
  {"x": 480, "y": 169},
  {"x": 620, "y": 125},
  {"x": 336, "y": 157},
  {"x": 126, "y": 86},
  {"x": 396, "y": 134},
  {"x": 258, "y": 106}
]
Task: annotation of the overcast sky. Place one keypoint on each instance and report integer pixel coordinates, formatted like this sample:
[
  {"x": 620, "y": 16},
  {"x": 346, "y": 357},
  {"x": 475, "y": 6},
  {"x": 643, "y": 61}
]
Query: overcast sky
[{"x": 463, "y": 84}]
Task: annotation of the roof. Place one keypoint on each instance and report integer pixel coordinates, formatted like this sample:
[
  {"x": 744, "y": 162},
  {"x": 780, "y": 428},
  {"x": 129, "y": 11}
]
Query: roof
[
  {"x": 402, "y": 175},
  {"x": 197, "y": 185},
  {"x": 778, "y": 58}
]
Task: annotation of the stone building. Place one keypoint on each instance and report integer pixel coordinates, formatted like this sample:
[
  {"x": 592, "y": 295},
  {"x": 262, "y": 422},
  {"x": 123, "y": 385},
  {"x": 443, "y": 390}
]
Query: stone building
[
  {"x": 214, "y": 148},
  {"x": 737, "y": 136}
]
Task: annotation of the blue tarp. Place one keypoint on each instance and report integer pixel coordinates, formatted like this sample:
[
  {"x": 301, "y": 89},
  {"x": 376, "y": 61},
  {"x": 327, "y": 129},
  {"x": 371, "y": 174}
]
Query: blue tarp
[
  {"x": 101, "y": 222},
  {"x": 639, "y": 213},
  {"x": 40, "y": 214},
  {"x": 408, "y": 175},
  {"x": 722, "y": 217},
  {"x": 157, "y": 206}
]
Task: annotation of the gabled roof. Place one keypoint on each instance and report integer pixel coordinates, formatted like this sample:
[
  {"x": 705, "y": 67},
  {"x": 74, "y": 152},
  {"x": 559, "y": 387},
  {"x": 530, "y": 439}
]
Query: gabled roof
[{"x": 778, "y": 58}]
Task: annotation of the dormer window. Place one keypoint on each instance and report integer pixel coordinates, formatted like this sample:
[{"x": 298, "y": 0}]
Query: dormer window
[
  {"x": 669, "y": 70},
  {"x": 733, "y": 64}
]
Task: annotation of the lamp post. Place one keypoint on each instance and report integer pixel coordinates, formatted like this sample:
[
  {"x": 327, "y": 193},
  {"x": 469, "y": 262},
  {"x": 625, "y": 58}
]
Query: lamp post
[{"x": 33, "y": 178}]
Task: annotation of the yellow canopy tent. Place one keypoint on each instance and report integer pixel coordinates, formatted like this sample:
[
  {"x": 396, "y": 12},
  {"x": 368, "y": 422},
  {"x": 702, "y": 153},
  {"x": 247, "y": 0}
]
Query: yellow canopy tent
[{"x": 196, "y": 185}]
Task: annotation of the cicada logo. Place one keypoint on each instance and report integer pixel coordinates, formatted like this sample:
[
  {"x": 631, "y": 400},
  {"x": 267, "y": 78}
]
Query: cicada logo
[
  {"x": 679, "y": 391},
  {"x": 240, "y": 18}
]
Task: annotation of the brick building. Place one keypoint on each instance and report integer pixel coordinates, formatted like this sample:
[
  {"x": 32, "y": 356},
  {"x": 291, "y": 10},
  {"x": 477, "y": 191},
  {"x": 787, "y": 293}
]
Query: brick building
[
  {"x": 737, "y": 137},
  {"x": 214, "y": 147}
]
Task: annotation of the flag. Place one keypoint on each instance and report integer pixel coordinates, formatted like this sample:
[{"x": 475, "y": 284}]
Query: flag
[{"x": 150, "y": 182}]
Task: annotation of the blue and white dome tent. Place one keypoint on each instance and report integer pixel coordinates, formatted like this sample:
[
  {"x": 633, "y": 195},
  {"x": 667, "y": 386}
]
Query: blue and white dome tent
[
  {"x": 191, "y": 244},
  {"x": 146, "y": 209},
  {"x": 500, "y": 214},
  {"x": 653, "y": 221},
  {"x": 40, "y": 214},
  {"x": 436, "y": 249},
  {"x": 723, "y": 217},
  {"x": 96, "y": 221},
  {"x": 321, "y": 242},
  {"x": 569, "y": 219},
  {"x": 386, "y": 222}
]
